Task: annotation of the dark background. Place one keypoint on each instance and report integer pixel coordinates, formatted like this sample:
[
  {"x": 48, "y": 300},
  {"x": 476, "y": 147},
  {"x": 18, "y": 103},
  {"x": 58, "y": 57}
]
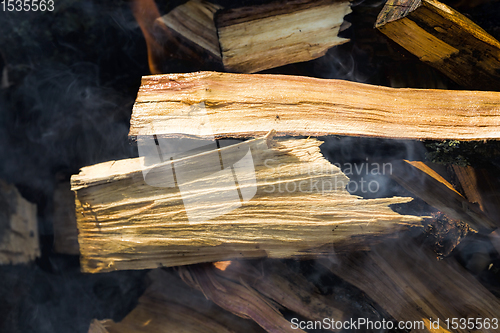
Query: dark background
[{"x": 72, "y": 78}]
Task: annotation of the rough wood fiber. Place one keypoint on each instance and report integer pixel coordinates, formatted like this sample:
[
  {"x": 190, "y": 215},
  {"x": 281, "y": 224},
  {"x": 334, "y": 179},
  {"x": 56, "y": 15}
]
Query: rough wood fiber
[
  {"x": 445, "y": 39},
  {"x": 243, "y": 105},
  {"x": 18, "y": 227},
  {"x": 300, "y": 204},
  {"x": 256, "y": 38}
]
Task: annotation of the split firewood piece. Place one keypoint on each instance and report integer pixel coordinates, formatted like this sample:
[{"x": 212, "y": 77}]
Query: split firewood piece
[
  {"x": 239, "y": 299},
  {"x": 244, "y": 105},
  {"x": 169, "y": 305},
  {"x": 276, "y": 281},
  {"x": 18, "y": 227},
  {"x": 65, "y": 230},
  {"x": 445, "y": 39},
  {"x": 193, "y": 23},
  {"x": 408, "y": 282},
  {"x": 272, "y": 198},
  {"x": 481, "y": 187},
  {"x": 256, "y": 38},
  {"x": 418, "y": 178}
]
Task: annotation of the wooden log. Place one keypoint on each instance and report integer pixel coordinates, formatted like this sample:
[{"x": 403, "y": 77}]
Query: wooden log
[
  {"x": 65, "y": 230},
  {"x": 445, "y": 39},
  {"x": 193, "y": 23},
  {"x": 294, "y": 201},
  {"x": 418, "y": 178},
  {"x": 274, "y": 280},
  {"x": 409, "y": 283},
  {"x": 256, "y": 38},
  {"x": 237, "y": 298},
  {"x": 18, "y": 227},
  {"x": 240, "y": 105},
  {"x": 169, "y": 305},
  {"x": 481, "y": 187}
]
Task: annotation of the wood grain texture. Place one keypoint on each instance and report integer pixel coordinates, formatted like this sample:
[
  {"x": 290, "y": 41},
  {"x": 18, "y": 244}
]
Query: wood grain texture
[
  {"x": 242, "y": 105},
  {"x": 256, "y": 38},
  {"x": 194, "y": 21},
  {"x": 300, "y": 204},
  {"x": 18, "y": 227},
  {"x": 409, "y": 283},
  {"x": 445, "y": 39}
]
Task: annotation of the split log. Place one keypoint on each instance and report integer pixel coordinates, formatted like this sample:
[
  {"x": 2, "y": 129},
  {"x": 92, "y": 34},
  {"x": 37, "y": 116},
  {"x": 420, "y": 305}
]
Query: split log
[
  {"x": 445, "y": 39},
  {"x": 274, "y": 280},
  {"x": 193, "y": 23},
  {"x": 240, "y": 105},
  {"x": 237, "y": 298},
  {"x": 425, "y": 183},
  {"x": 290, "y": 202},
  {"x": 480, "y": 186},
  {"x": 256, "y": 38},
  {"x": 18, "y": 227},
  {"x": 65, "y": 231},
  {"x": 169, "y": 305},
  {"x": 411, "y": 285}
]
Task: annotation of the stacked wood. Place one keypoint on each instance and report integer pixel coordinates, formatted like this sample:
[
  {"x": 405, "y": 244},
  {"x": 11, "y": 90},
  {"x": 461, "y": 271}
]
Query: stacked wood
[
  {"x": 18, "y": 227},
  {"x": 296, "y": 202},
  {"x": 421, "y": 180},
  {"x": 274, "y": 280},
  {"x": 169, "y": 305},
  {"x": 240, "y": 105},
  {"x": 480, "y": 186},
  {"x": 256, "y": 38},
  {"x": 237, "y": 298},
  {"x": 445, "y": 39},
  {"x": 64, "y": 221},
  {"x": 193, "y": 23},
  {"x": 412, "y": 286}
]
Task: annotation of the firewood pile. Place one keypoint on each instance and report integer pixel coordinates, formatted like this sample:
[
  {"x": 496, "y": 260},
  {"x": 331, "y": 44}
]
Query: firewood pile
[{"x": 266, "y": 198}]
